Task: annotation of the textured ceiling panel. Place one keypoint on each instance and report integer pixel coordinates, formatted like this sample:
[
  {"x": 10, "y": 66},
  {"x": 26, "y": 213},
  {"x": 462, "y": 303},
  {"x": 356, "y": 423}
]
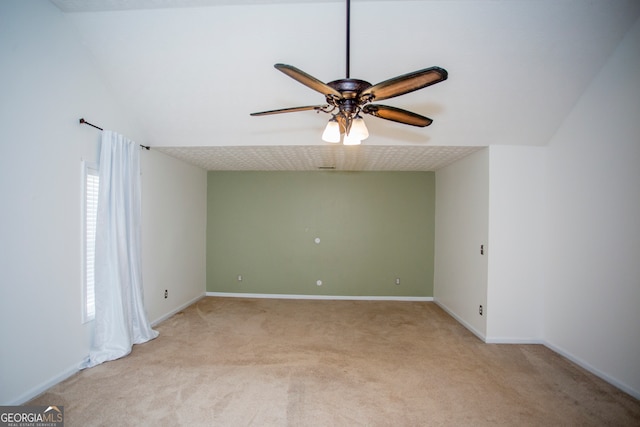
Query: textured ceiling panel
[{"x": 308, "y": 158}]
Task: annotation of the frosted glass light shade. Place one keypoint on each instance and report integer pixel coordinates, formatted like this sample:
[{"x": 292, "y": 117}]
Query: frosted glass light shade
[
  {"x": 332, "y": 131},
  {"x": 351, "y": 139},
  {"x": 359, "y": 129}
]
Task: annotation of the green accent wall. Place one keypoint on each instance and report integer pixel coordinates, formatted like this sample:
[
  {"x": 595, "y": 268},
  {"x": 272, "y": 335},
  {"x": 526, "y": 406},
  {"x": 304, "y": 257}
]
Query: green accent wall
[{"x": 373, "y": 227}]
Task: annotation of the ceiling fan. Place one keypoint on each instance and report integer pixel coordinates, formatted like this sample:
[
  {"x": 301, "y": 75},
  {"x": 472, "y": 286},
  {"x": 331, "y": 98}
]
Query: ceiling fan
[{"x": 347, "y": 98}]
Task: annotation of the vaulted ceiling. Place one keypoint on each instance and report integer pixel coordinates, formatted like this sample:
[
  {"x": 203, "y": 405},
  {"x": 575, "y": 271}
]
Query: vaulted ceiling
[{"x": 189, "y": 73}]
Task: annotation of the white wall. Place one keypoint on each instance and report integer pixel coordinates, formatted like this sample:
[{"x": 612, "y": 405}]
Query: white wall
[
  {"x": 494, "y": 197},
  {"x": 174, "y": 211},
  {"x": 592, "y": 294},
  {"x": 48, "y": 82},
  {"x": 462, "y": 219},
  {"x": 516, "y": 245}
]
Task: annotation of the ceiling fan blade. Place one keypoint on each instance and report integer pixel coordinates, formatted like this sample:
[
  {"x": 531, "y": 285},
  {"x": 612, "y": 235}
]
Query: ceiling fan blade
[
  {"x": 396, "y": 115},
  {"x": 289, "y": 110},
  {"x": 308, "y": 80},
  {"x": 405, "y": 83}
]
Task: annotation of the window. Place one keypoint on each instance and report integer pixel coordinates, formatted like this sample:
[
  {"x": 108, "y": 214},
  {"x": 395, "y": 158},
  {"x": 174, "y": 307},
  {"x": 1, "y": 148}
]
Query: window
[{"x": 89, "y": 214}]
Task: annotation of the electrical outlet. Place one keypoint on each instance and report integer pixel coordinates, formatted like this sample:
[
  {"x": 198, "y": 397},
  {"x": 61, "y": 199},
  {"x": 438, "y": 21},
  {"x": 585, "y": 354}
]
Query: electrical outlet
[
  {"x": 166, "y": 293},
  {"x": 480, "y": 310},
  {"x": 397, "y": 280},
  {"x": 239, "y": 277}
]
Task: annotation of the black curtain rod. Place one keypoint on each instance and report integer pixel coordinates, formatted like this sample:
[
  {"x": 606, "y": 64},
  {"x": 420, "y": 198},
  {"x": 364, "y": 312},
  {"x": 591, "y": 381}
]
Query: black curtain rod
[{"x": 84, "y": 122}]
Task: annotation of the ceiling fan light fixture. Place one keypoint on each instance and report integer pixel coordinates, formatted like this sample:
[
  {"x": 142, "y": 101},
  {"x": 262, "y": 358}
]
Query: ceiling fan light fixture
[
  {"x": 359, "y": 128},
  {"x": 347, "y": 98},
  {"x": 332, "y": 131}
]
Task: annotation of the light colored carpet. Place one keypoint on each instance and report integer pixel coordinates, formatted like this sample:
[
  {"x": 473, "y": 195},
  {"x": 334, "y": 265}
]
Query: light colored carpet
[{"x": 264, "y": 362}]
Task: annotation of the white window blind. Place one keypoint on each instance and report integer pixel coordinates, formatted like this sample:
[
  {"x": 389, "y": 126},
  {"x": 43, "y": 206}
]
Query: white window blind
[{"x": 90, "y": 205}]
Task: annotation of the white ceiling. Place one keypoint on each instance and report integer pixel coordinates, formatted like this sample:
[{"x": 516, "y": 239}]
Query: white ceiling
[{"x": 190, "y": 76}]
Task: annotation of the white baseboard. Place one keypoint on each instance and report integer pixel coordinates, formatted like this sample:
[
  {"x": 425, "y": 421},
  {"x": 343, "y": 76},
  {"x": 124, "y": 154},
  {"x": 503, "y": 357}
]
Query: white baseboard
[
  {"x": 460, "y": 320},
  {"x": 554, "y": 348},
  {"x": 483, "y": 337},
  {"x": 176, "y": 310},
  {"x": 42, "y": 387},
  {"x": 613, "y": 381},
  {"x": 318, "y": 297},
  {"x": 509, "y": 340}
]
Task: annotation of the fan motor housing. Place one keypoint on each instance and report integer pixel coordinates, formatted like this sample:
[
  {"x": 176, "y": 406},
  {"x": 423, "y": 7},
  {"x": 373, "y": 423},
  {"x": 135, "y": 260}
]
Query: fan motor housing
[
  {"x": 349, "y": 86},
  {"x": 350, "y": 90}
]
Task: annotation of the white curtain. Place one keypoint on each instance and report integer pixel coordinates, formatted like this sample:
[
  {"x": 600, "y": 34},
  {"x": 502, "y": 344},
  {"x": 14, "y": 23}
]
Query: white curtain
[{"x": 120, "y": 319}]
